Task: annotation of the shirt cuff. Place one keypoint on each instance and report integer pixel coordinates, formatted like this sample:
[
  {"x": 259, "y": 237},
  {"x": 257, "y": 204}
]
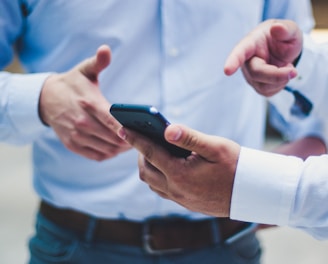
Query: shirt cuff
[
  {"x": 265, "y": 187},
  {"x": 23, "y": 103}
]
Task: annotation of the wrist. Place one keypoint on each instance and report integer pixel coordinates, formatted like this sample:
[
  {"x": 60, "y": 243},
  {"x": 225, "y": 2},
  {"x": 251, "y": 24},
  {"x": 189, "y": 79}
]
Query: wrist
[{"x": 44, "y": 95}]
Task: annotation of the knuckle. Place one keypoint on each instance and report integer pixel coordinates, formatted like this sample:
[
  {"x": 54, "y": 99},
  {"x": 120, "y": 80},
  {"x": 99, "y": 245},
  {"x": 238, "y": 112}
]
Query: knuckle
[
  {"x": 68, "y": 142},
  {"x": 256, "y": 73},
  {"x": 113, "y": 151},
  {"x": 279, "y": 79},
  {"x": 81, "y": 122},
  {"x": 148, "y": 153},
  {"x": 111, "y": 122},
  {"x": 74, "y": 136},
  {"x": 190, "y": 141},
  {"x": 86, "y": 104},
  {"x": 176, "y": 195}
]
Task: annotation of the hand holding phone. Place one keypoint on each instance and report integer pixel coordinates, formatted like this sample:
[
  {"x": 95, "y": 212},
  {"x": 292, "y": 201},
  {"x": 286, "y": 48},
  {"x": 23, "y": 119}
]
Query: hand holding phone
[{"x": 148, "y": 121}]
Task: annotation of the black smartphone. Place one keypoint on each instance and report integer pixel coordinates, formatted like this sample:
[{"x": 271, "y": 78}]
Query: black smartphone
[{"x": 147, "y": 120}]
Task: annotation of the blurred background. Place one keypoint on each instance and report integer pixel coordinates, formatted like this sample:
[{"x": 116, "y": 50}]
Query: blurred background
[{"x": 18, "y": 203}]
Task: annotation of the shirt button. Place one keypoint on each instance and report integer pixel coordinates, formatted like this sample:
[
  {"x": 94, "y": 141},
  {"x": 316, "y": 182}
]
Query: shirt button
[
  {"x": 173, "y": 52},
  {"x": 299, "y": 78}
]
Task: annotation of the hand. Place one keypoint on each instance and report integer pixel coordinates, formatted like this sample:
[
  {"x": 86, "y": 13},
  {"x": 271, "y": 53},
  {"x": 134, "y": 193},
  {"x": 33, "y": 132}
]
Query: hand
[
  {"x": 266, "y": 56},
  {"x": 72, "y": 104},
  {"x": 202, "y": 182},
  {"x": 303, "y": 147}
]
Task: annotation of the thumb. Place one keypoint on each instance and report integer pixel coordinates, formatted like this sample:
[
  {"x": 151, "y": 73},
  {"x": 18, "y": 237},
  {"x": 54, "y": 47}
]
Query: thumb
[
  {"x": 208, "y": 147},
  {"x": 92, "y": 66},
  {"x": 285, "y": 31},
  {"x": 288, "y": 40}
]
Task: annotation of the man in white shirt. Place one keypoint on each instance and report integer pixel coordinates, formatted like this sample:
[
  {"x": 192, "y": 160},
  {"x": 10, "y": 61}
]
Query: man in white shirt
[
  {"x": 93, "y": 207},
  {"x": 222, "y": 178}
]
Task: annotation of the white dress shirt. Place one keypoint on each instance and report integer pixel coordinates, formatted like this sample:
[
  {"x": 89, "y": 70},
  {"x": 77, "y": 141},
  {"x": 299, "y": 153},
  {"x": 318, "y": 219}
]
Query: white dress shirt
[
  {"x": 169, "y": 54},
  {"x": 282, "y": 190}
]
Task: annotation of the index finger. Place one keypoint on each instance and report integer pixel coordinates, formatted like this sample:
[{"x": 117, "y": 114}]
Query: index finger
[
  {"x": 153, "y": 153},
  {"x": 243, "y": 51}
]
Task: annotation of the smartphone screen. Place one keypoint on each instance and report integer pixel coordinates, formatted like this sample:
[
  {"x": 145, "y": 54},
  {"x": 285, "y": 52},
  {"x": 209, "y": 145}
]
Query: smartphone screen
[{"x": 148, "y": 121}]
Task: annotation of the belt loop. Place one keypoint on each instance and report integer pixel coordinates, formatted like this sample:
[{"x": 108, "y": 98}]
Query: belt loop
[
  {"x": 89, "y": 234},
  {"x": 216, "y": 232}
]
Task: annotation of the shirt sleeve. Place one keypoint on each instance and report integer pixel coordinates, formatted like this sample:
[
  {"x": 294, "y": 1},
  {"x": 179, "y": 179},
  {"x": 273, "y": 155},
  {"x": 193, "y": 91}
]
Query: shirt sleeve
[
  {"x": 264, "y": 187},
  {"x": 310, "y": 210},
  {"x": 19, "y": 115},
  {"x": 282, "y": 190}
]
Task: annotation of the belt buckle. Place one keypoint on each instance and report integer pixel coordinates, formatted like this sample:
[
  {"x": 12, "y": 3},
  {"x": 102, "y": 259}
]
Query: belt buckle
[{"x": 147, "y": 239}]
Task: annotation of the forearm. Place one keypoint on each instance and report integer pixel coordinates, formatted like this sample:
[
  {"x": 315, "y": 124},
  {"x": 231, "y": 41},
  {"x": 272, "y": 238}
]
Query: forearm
[
  {"x": 304, "y": 137},
  {"x": 303, "y": 148}
]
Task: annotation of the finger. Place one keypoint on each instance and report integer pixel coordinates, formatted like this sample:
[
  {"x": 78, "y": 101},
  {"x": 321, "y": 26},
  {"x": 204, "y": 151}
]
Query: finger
[
  {"x": 85, "y": 151},
  {"x": 244, "y": 50},
  {"x": 150, "y": 174},
  {"x": 285, "y": 31},
  {"x": 265, "y": 89},
  {"x": 206, "y": 146},
  {"x": 102, "y": 123},
  {"x": 281, "y": 32},
  {"x": 107, "y": 148},
  {"x": 91, "y": 67},
  {"x": 288, "y": 42},
  {"x": 259, "y": 71},
  {"x": 152, "y": 152}
]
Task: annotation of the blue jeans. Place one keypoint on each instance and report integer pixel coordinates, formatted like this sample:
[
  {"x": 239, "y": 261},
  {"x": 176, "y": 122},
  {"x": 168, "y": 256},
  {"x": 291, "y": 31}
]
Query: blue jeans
[{"x": 52, "y": 244}]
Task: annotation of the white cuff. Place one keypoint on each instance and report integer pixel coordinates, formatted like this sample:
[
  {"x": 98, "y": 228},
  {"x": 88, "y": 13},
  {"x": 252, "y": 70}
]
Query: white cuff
[
  {"x": 23, "y": 103},
  {"x": 265, "y": 187}
]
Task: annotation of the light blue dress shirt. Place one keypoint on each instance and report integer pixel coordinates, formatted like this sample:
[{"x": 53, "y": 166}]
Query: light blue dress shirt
[{"x": 169, "y": 54}]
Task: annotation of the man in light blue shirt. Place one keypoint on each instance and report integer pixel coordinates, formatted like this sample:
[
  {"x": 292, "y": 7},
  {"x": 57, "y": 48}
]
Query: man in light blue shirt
[{"x": 164, "y": 53}]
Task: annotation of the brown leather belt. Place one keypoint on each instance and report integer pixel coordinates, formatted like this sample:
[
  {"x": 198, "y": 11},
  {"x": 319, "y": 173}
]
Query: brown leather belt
[{"x": 158, "y": 235}]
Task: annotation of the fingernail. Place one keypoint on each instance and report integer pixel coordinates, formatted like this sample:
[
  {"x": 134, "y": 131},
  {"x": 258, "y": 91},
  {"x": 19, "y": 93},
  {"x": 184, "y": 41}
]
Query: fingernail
[
  {"x": 176, "y": 135},
  {"x": 292, "y": 74},
  {"x": 121, "y": 133}
]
